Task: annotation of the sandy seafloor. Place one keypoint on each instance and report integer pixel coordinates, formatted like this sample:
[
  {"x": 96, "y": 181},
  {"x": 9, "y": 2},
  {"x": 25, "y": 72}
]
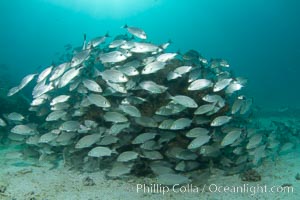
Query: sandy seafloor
[{"x": 37, "y": 181}]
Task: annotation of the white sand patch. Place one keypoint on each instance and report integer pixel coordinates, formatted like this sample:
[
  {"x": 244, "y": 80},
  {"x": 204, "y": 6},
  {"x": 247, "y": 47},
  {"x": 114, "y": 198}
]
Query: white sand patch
[{"x": 62, "y": 184}]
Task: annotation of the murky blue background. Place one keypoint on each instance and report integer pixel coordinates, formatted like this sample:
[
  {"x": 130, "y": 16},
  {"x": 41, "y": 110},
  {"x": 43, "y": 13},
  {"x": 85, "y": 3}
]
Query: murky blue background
[{"x": 260, "y": 38}]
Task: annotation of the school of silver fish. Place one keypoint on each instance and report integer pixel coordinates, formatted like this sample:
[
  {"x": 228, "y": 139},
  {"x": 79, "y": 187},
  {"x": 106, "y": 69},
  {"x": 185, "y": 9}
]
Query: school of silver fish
[{"x": 139, "y": 109}]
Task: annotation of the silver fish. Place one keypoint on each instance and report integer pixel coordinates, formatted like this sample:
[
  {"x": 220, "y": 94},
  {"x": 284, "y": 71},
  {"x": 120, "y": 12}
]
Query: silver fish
[
  {"x": 166, "y": 124},
  {"x": 172, "y": 76},
  {"x": 136, "y": 32},
  {"x": 98, "y": 100},
  {"x": 90, "y": 123},
  {"x": 100, "y": 152},
  {"x": 58, "y": 71},
  {"x": 115, "y": 129},
  {"x": 216, "y": 63},
  {"x": 41, "y": 89},
  {"x": 204, "y": 109},
  {"x": 33, "y": 140},
  {"x": 194, "y": 74},
  {"x": 166, "y": 137},
  {"x": 129, "y": 71},
  {"x": 115, "y": 117},
  {"x": 171, "y": 179},
  {"x": 68, "y": 76},
  {"x": 220, "y": 120},
  {"x": 116, "y": 43},
  {"x": 47, "y": 137},
  {"x": 14, "y": 116},
  {"x": 185, "y": 101},
  {"x": 130, "y": 110},
  {"x": 131, "y": 85},
  {"x": 13, "y": 91},
  {"x": 196, "y": 132},
  {"x": 183, "y": 70},
  {"x": 112, "y": 57},
  {"x": 65, "y": 138},
  {"x": 96, "y": 41},
  {"x": 114, "y": 76},
  {"x": 181, "y": 123},
  {"x": 140, "y": 47},
  {"x": 232, "y": 87},
  {"x": 108, "y": 140},
  {"x": 92, "y": 85},
  {"x": 236, "y": 106},
  {"x": 153, "y": 67},
  {"x": 74, "y": 84},
  {"x": 27, "y": 79},
  {"x": 148, "y": 60},
  {"x": 200, "y": 84},
  {"x": 160, "y": 168},
  {"x": 60, "y": 106},
  {"x": 258, "y": 153},
  {"x": 2, "y": 123},
  {"x": 254, "y": 141},
  {"x": 87, "y": 141},
  {"x": 127, "y": 45},
  {"x": 246, "y": 105},
  {"x": 118, "y": 87},
  {"x": 142, "y": 138},
  {"x": 59, "y": 99},
  {"x": 150, "y": 145},
  {"x": 133, "y": 100},
  {"x": 186, "y": 154},
  {"x": 17, "y": 137},
  {"x": 199, "y": 141},
  {"x": 23, "y": 130},
  {"x": 127, "y": 156},
  {"x": 82, "y": 90},
  {"x": 80, "y": 57},
  {"x": 165, "y": 57},
  {"x": 209, "y": 150},
  {"x": 231, "y": 137},
  {"x": 214, "y": 99},
  {"x": 152, "y": 155},
  {"x": 56, "y": 115},
  {"x": 221, "y": 84},
  {"x": 146, "y": 122},
  {"x": 44, "y": 74},
  {"x": 70, "y": 126},
  {"x": 38, "y": 101},
  {"x": 152, "y": 87}
]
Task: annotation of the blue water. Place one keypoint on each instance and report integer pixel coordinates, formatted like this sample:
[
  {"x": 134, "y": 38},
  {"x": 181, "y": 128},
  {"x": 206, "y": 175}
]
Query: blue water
[{"x": 260, "y": 38}]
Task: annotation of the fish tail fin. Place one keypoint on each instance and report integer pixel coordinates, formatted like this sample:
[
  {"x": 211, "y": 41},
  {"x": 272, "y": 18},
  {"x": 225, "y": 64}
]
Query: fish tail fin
[
  {"x": 168, "y": 95},
  {"x": 84, "y": 42},
  {"x": 125, "y": 26}
]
